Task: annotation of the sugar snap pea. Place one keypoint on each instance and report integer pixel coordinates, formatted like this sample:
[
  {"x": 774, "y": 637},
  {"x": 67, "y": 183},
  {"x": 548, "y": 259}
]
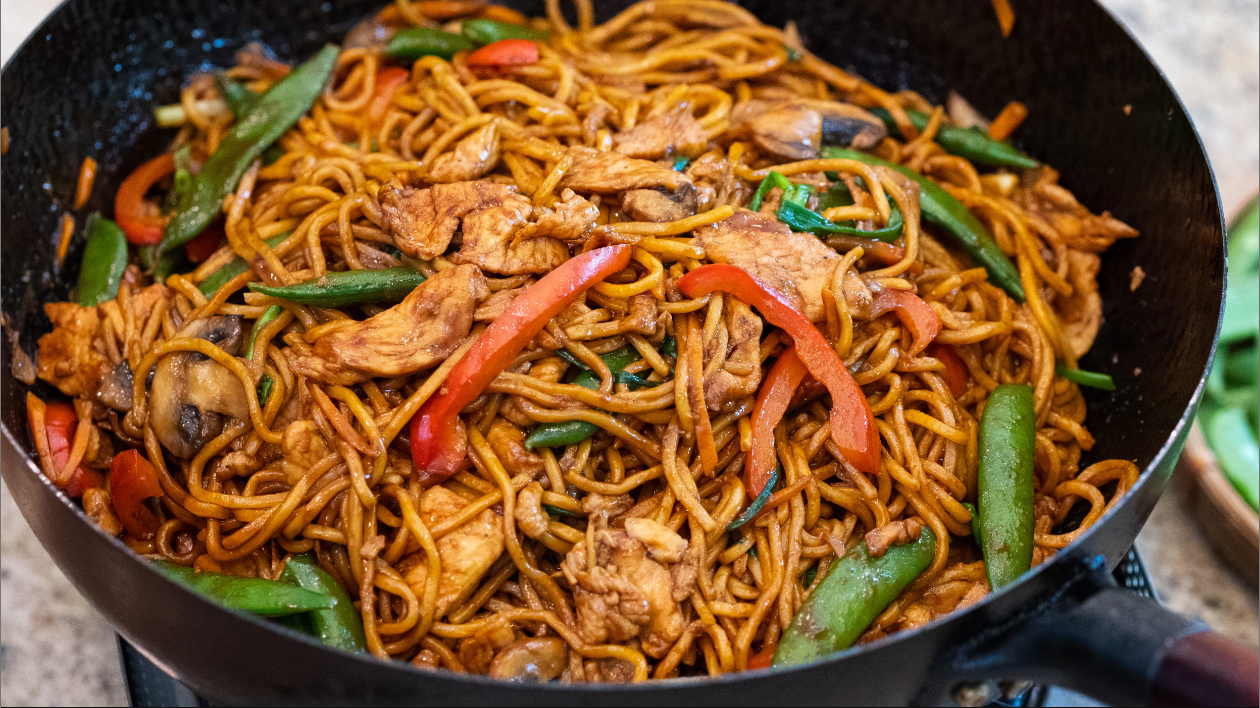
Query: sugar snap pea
[
  {"x": 971, "y": 143},
  {"x": 1004, "y": 483},
  {"x": 340, "y": 625},
  {"x": 415, "y": 42},
  {"x": 104, "y": 260},
  {"x": 948, "y": 213},
  {"x": 268, "y": 598},
  {"x": 857, "y": 588},
  {"x": 352, "y": 287},
  {"x": 486, "y": 31}
]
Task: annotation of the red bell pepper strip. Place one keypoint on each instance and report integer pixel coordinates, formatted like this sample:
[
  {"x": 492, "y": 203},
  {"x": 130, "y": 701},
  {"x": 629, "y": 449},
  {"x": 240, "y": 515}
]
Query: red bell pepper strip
[
  {"x": 388, "y": 80},
  {"x": 915, "y": 314},
  {"x": 764, "y": 658},
  {"x": 53, "y": 425},
  {"x": 132, "y": 479},
  {"x": 955, "y": 369},
  {"x": 852, "y": 424},
  {"x": 773, "y": 400},
  {"x": 139, "y": 219},
  {"x": 505, "y": 52},
  {"x": 205, "y": 243},
  {"x": 438, "y": 438}
]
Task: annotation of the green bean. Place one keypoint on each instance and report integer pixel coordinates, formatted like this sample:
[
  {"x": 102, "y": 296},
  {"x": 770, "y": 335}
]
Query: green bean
[
  {"x": 276, "y": 110},
  {"x": 340, "y": 625},
  {"x": 267, "y": 598},
  {"x": 234, "y": 267},
  {"x": 104, "y": 260},
  {"x": 948, "y": 213},
  {"x": 415, "y": 42},
  {"x": 487, "y": 31},
  {"x": 857, "y": 588},
  {"x": 757, "y": 503},
  {"x": 1008, "y": 431},
  {"x": 1093, "y": 379},
  {"x": 971, "y": 143},
  {"x": 572, "y": 432},
  {"x": 352, "y": 287}
]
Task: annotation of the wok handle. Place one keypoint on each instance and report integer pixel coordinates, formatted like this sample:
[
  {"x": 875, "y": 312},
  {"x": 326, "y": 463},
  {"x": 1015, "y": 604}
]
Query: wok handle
[{"x": 1207, "y": 669}]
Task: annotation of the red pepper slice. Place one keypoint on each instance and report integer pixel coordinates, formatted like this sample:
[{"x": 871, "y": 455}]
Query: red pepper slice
[
  {"x": 505, "y": 52},
  {"x": 139, "y": 219},
  {"x": 438, "y": 438},
  {"x": 205, "y": 243},
  {"x": 56, "y": 423},
  {"x": 955, "y": 369},
  {"x": 763, "y": 659},
  {"x": 914, "y": 313},
  {"x": 852, "y": 424},
  {"x": 772, "y": 402},
  {"x": 388, "y": 80},
  {"x": 132, "y": 480}
]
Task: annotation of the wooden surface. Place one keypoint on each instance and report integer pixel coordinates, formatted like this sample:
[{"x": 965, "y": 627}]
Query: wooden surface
[{"x": 55, "y": 650}]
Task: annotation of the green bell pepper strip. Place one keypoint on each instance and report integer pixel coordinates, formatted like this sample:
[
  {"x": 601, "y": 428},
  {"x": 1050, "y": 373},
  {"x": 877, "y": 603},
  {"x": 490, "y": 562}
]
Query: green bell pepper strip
[
  {"x": 104, "y": 260},
  {"x": 268, "y": 316},
  {"x": 971, "y": 143},
  {"x": 276, "y": 110},
  {"x": 1231, "y": 438},
  {"x": 340, "y": 626},
  {"x": 352, "y": 287},
  {"x": 1092, "y": 379},
  {"x": 268, "y": 598},
  {"x": 774, "y": 179},
  {"x": 757, "y": 503},
  {"x": 415, "y": 42},
  {"x": 948, "y": 213},
  {"x": 1008, "y": 431},
  {"x": 239, "y": 99},
  {"x": 234, "y": 267},
  {"x": 857, "y": 588},
  {"x": 798, "y": 218},
  {"x": 484, "y": 31},
  {"x": 572, "y": 432}
]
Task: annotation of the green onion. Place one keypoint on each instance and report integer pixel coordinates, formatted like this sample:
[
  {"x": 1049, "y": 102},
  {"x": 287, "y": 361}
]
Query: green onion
[
  {"x": 759, "y": 502},
  {"x": 1091, "y": 379}
]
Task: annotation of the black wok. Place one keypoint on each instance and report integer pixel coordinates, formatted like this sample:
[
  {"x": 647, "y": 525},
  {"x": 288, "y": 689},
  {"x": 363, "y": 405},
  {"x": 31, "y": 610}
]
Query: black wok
[{"x": 86, "y": 82}]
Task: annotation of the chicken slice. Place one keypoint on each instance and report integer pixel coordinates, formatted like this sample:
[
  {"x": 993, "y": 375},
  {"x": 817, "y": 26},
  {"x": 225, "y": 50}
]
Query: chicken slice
[
  {"x": 472, "y": 158},
  {"x": 1082, "y": 312},
  {"x": 673, "y": 132},
  {"x": 488, "y": 240},
  {"x": 415, "y": 334},
  {"x": 508, "y": 443},
  {"x": 627, "y": 594},
  {"x": 1039, "y": 193},
  {"x": 424, "y": 220},
  {"x": 611, "y": 172},
  {"x": 67, "y": 358},
  {"x": 466, "y": 553},
  {"x": 570, "y": 219},
  {"x": 740, "y": 374},
  {"x": 797, "y": 265},
  {"x": 494, "y": 305}
]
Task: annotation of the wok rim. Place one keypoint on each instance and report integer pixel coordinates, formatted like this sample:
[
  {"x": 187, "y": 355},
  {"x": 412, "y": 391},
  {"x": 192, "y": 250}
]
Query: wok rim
[{"x": 941, "y": 625}]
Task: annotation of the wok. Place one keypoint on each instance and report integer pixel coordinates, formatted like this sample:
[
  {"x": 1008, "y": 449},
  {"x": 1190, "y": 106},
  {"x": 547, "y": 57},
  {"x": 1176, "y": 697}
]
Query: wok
[{"x": 85, "y": 84}]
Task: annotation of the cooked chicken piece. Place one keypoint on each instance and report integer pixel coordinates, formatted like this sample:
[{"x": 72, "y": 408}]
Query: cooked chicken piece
[
  {"x": 612, "y": 507},
  {"x": 508, "y": 443},
  {"x": 67, "y": 358},
  {"x": 894, "y": 533},
  {"x": 488, "y": 241},
  {"x": 303, "y": 445},
  {"x": 797, "y": 128},
  {"x": 611, "y": 172},
  {"x": 424, "y": 220},
  {"x": 662, "y": 544},
  {"x": 797, "y": 265},
  {"x": 535, "y": 660},
  {"x": 472, "y": 158},
  {"x": 466, "y": 553},
  {"x": 495, "y": 304},
  {"x": 642, "y": 315},
  {"x": 570, "y": 219},
  {"x": 99, "y": 507},
  {"x": 477, "y": 652},
  {"x": 1082, "y": 312},
  {"x": 627, "y": 594},
  {"x": 530, "y": 516},
  {"x": 549, "y": 370},
  {"x": 415, "y": 334},
  {"x": 674, "y": 132},
  {"x": 659, "y": 206},
  {"x": 857, "y": 295},
  {"x": 609, "y": 671},
  {"x": 740, "y": 375},
  {"x": 1039, "y": 193}
]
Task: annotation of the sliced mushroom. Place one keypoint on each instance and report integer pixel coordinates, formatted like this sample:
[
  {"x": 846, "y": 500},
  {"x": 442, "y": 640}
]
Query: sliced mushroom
[
  {"x": 797, "y": 128},
  {"x": 659, "y": 205},
  {"x": 536, "y": 660},
  {"x": 846, "y": 125},
  {"x": 115, "y": 387},
  {"x": 191, "y": 393}
]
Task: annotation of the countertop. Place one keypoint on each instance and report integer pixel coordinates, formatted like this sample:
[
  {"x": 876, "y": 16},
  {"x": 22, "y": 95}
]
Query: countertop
[{"x": 56, "y": 650}]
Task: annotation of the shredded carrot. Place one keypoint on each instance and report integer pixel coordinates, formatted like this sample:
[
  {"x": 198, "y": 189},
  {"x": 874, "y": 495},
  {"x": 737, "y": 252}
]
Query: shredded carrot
[
  {"x": 448, "y": 9},
  {"x": 63, "y": 242},
  {"x": 4, "y": 140},
  {"x": 504, "y": 14},
  {"x": 87, "y": 178},
  {"x": 1005, "y": 15},
  {"x": 1011, "y": 117}
]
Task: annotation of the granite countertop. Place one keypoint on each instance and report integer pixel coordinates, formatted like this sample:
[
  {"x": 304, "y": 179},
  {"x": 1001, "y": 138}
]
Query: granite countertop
[{"x": 56, "y": 650}]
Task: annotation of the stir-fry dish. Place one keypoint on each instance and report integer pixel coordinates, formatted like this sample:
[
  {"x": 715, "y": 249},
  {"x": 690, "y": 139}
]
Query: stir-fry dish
[{"x": 596, "y": 353}]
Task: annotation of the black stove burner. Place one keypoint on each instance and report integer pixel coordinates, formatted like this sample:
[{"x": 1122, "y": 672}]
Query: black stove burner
[{"x": 148, "y": 685}]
